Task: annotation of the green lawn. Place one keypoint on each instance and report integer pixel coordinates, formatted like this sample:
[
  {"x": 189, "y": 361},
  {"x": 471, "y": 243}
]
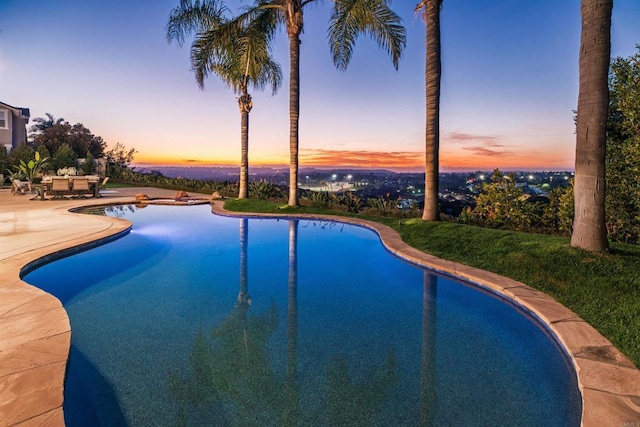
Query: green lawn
[{"x": 603, "y": 289}]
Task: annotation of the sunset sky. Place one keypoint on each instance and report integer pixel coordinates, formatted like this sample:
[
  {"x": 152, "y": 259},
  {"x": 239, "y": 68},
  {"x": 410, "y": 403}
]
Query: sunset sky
[{"x": 509, "y": 85}]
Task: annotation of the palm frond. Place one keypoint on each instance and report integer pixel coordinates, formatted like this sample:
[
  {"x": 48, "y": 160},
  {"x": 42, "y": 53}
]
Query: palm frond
[
  {"x": 350, "y": 18},
  {"x": 190, "y": 17},
  {"x": 238, "y": 51}
]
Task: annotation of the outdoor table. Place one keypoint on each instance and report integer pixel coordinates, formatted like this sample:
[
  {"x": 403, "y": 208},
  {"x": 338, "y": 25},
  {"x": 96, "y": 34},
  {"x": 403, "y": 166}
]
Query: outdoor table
[
  {"x": 39, "y": 191},
  {"x": 94, "y": 184}
]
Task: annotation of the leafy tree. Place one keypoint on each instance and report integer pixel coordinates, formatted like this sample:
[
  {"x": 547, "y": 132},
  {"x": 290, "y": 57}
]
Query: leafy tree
[
  {"x": 78, "y": 137},
  {"x": 88, "y": 167},
  {"x": 240, "y": 60},
  {"x": 558, "y": 214},
  {"x": 22, "y": 152},
  {"x": 63, "y": 157},
  {"x": 118, "y": 159},
  {"x": 431, "y": 16},
  {"x": 4, "y": 161},
  {"x": 589, "y": 229},
  {"x": 623, "y": 150},
  {"x": 349, "y": 19}
]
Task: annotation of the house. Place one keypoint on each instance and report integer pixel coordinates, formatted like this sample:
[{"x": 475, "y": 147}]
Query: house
[{"x": 13, "y": 125}]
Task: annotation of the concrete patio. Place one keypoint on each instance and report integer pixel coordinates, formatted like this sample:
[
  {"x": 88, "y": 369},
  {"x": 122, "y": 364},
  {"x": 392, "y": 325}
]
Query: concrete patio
[{"x": 35, "y": 332}]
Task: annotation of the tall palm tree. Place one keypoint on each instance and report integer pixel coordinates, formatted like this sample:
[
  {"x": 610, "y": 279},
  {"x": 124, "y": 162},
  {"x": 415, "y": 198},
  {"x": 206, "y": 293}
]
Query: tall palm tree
[
  {"x": 589, "y": 230},
  {"x": 431, "y": 15},
  {"x": 41, "y": 124},
  {"x": 349, "y": 19},
  {"x": 239, "y": 56}
]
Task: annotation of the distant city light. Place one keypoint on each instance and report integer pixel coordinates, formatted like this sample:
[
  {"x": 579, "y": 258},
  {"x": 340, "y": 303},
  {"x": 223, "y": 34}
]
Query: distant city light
[
  {"x": 531, "y": 177},
  {"x": 481, "y": 177}
]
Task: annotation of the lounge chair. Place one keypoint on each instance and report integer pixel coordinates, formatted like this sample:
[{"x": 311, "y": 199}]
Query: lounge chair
[
  {"x": 59, "y": 187},
  {"x": 80, "y": 187},
  {"x": 103, "y": 185},
  {"x": 20, "y": 187}
]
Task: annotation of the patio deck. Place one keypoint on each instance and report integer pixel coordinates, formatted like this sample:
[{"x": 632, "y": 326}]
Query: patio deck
[{"x": 35, "y": 332}]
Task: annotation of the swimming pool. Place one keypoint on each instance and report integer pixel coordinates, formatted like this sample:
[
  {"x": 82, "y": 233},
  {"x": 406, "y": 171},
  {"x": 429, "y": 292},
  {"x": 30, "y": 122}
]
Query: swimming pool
[{"x": 203, "y": 319}]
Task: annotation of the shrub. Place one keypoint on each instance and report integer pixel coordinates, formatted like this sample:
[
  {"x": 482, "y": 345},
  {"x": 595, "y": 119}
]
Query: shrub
[
  {"x": 501, "y": 204},
  {"x": 263, "y": 189}
]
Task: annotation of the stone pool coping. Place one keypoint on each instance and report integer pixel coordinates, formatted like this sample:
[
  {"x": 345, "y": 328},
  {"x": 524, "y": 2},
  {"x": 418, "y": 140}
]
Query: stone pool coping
[{"x": 35, "y": 333}]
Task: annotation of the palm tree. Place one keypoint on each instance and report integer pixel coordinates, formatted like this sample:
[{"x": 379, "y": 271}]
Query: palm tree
[
  {"x": 349, "y": 19},
  {"x": 41, "y": 124},
  {"x": 589, "y": 229},
  {"x": 431, "y": 14},
  {"x": 239, "y": 56}
]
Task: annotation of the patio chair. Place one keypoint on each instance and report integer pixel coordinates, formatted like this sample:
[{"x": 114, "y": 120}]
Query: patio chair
[
  {"x": 20, "y": 187},
  {"x": 103, "y": 185},
  {"x": 59, "y": 187},
  {"x": 80, "y": 187}
]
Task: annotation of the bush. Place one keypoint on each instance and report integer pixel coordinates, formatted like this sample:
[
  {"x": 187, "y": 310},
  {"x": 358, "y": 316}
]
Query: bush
[
  {"x": 315, "y": 199},
  {"x": 501, "y": 204},
  {"x": 263, "y": 189},
  {"x": 63, "y": 157},
  {"x": 88, "y": 167}
]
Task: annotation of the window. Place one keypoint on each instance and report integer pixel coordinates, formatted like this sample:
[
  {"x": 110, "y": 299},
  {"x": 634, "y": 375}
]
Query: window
[{"x": 4, "y": 119}]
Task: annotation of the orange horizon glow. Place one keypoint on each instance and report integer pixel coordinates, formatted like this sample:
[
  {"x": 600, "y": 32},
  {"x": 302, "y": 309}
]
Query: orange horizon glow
[{"x": 399, "y": 161}]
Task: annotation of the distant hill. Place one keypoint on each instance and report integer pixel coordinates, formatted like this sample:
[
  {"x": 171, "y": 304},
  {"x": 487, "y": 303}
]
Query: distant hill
[{"x": 231, "y": 172}]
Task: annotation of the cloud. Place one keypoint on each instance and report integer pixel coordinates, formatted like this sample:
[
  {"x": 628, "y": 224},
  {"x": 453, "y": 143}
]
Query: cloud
[
  {"x": 480, "y": 145},
  {"x": 362, "y": 158},
  {"x": 192, "y": 161},
  {"x": 464, "y": 138},
  {"x": 478, "y": 150}
]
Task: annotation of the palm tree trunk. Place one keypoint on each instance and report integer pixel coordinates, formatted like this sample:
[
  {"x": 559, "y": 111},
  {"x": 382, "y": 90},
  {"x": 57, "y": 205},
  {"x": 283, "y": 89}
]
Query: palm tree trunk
[
  {"x": 243, "y": 294},
  {"x": 432, "y": 134},
  {"x": 291, "y": 414},
  {"x": 294, "y": 113},
  {"x": 589, "y": 229},
  {"x": 428, "y": 395},
  {"x": 245, "y": 104}
]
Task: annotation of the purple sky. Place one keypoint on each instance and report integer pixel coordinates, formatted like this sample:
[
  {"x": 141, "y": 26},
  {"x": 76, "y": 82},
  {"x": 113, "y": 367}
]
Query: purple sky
[{"x": 510, "y": 78}]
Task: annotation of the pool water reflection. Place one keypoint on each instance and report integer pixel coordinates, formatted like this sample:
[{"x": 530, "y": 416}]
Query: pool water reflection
[{"x": 197, "y": 319}]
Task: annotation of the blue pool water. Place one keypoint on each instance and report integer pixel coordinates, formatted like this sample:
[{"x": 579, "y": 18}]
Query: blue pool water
[{"x": 197, "y": 319}]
